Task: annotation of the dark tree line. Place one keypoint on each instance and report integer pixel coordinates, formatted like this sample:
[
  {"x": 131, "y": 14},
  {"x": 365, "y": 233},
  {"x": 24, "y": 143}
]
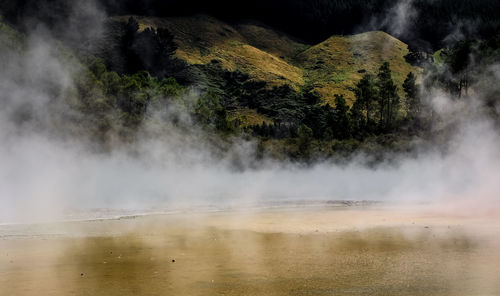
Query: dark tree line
[
  {"x": 126, "y": 50},
  {"x": 463, "y": 64},
  {"x": 377, "y": 110}
]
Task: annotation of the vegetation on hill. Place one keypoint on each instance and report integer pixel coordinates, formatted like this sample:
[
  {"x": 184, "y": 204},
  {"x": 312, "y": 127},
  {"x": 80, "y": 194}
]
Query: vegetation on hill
[
  {"x": 467, "y": 65},
  {"x": 299, "y": 101},
  {"x": 96, "y": 104},
  {"x": 329, "y": 68},
  {"x": 296, "y": 115},
  {"x": 337, "y": 64}
]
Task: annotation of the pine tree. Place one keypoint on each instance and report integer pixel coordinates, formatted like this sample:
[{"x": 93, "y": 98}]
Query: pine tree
[
  {"x": 459, "y": 62},
  {"x": 342, "y": 128},
  {"x": 305, "y": 136},
  {"x": 366, "y": 98},
  {"x": 387, "y": 97},
  {"x": 413, "y": 104}
]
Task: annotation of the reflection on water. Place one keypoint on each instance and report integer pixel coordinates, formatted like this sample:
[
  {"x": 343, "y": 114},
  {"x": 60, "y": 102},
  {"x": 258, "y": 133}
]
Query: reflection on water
[{"x": 176, "y": 258}]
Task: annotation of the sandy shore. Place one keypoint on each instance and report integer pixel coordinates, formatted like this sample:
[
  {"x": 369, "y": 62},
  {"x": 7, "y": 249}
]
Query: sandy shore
[{"x": 283, "y": 251}]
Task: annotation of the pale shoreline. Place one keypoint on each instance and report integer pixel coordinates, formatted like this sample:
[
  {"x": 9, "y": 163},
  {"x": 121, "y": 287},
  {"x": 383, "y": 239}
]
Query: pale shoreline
[
  {"x": 392, "y": 212},
  {"x": 116, "y": 214}
]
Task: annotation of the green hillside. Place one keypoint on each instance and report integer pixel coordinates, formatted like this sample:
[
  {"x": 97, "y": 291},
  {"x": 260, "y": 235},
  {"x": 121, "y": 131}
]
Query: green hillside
[
  {"x": 203, "y": 39},
  {"x": 337, "y": 64},
  {"x": 330, "y": 67},
  {"x": 243, "y": 79}
]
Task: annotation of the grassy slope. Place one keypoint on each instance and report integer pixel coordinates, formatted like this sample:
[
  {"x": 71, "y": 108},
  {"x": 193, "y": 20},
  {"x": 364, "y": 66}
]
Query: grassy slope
[
  {"x": 439, "y": 56},
  {"x": 337, "y": 64},
  {"x": 330, "y": 67},
  {"x": 249, "y": 117},
  {"x": 202, "y": 39}
]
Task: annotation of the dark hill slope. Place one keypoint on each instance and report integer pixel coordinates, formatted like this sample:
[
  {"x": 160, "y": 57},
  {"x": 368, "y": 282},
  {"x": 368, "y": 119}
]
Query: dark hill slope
[{"x": 330, "y": 67}]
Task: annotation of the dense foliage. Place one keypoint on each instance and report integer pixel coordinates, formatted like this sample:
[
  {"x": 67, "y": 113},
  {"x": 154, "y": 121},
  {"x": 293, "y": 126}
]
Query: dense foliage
[
  {"x": 113, "y": 105},
  {"x": 376, "y": 111}
]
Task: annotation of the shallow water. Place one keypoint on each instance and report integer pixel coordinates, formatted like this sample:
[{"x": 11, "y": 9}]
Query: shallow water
[{"x": 297, "y": 252}]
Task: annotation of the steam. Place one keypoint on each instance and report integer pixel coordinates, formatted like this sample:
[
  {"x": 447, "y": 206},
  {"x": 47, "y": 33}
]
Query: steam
[
  {"x": 46, "y": 171},
  {"x": 399, "y": 18}
]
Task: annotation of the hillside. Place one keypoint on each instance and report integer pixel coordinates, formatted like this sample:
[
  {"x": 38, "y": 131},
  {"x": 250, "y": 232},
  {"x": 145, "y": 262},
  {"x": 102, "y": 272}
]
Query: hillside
[
  {"x": 203, "y": 39},
  {"x": 248, "y": 79},
  {"x": 337, "y": 64},
  {"x": 231, "y": 80},
  {"x": 330, "y": 67}
]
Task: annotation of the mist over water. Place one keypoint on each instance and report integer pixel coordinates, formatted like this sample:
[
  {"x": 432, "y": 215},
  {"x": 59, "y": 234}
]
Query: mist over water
[{"x": 46, "y": 171}]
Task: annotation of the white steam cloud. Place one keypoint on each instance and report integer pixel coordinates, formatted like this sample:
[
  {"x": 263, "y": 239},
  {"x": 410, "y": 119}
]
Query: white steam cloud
[{"x": 399, "y": 18}]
